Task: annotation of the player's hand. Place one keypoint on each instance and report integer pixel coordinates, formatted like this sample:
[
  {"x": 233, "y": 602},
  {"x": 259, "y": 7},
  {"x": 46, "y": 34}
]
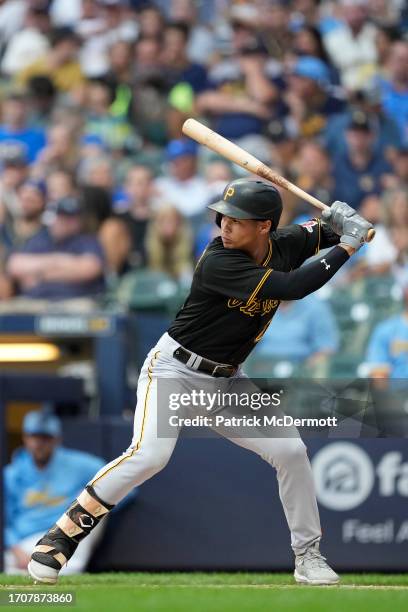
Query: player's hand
[{"x": 345, "y": 221}]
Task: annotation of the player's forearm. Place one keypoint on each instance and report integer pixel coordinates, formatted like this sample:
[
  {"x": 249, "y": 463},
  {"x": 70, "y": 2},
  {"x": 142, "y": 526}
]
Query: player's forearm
[{"x": 299, "y": 283}]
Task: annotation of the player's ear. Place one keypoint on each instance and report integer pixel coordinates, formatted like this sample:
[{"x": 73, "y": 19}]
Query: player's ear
[{"x": 265, "y": 226}]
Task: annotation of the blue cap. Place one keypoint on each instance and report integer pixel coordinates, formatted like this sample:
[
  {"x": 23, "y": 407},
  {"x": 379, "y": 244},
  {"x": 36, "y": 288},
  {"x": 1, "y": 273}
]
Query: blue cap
[
  {"x": 68, "y": 206},
  {"x": 37, "y": 184},
  {"x": 178, "y": 148},
  {"x": 39, "y": 422},
  {"x": 312, "y": 68}
]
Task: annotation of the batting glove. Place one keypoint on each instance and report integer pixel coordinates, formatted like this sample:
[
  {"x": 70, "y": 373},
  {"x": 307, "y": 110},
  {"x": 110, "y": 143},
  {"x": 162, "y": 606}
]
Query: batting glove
[
  {"x": 337, "y": 215},
  {"x": 344, "y": 220}
]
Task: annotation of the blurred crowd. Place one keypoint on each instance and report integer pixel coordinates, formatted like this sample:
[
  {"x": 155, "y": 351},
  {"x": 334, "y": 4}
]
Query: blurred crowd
[{"x": 95, "y": 178}]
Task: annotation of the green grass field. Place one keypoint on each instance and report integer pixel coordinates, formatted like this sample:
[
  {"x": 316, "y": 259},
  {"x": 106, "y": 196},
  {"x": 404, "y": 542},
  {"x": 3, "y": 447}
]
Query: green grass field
[{"x": 221, "y": 592}]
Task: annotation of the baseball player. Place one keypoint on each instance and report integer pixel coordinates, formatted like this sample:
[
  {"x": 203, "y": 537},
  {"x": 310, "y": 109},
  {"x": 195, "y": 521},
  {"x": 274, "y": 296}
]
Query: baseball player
[{"x": 235, "y": 292}]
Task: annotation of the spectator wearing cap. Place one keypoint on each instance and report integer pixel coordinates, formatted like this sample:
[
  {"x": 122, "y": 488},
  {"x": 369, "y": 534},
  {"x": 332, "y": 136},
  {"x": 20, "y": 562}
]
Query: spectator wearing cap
[
  {"x": 183, "y": 186},
  {"x": 394, "y": 88},
  {"x": 41, "y": 479},
  {"x": 15, "y": 131},
  {"x": 59, "y": 63},
  {"x": 359, "y": 170},
  {"x": 308, "y": 98},
  {"x": 29, "y": 43},
  {"x": 352, "y": 47},
  {"x": 60, "y": 262},
  {"x": 387, "y": 134}
]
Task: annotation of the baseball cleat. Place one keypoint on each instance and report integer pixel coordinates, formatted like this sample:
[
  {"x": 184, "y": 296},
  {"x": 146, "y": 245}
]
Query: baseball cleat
[
  {"x": 312, "y": 568},
  {"x": 43, "y": 574}
]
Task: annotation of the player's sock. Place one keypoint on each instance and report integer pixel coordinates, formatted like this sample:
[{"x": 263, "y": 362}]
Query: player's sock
[{"x": 58, "y": 545}]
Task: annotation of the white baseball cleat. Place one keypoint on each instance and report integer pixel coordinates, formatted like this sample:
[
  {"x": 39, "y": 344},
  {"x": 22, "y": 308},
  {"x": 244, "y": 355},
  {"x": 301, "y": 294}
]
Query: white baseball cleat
[
  {"x": 311, "y": 568},
  {"x": 42, "y": 573}
]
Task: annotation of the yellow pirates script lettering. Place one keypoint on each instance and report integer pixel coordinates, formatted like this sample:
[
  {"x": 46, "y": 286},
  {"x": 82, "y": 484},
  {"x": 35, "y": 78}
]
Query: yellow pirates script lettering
[{"x": 254, "y": 307}]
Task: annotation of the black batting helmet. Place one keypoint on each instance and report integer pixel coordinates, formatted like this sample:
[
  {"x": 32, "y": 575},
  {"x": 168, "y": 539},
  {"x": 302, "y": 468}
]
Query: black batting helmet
[{"x": 246, "y": 199}]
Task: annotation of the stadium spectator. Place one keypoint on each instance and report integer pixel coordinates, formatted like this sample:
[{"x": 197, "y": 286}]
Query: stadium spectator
[
  {"x": 394, "y": 87},
  {"x": 60, "y": 262},
  {"x": 358, "y": 171},
  {"x": 150, "y": 94},
  {"x": 151, "y": 21},
  {"x": 308, "y": 41},
  {"x": 42, "y": 478},
  {"x": 351, "y": 47},
  {"x": 96, "y": 204},
  {"x": 201, "y": 43},
  {"x": 308, "y": 98},
  {"x": 17, "y": 229},
  {"x": 60, "y": 152},
  {"x": 60, "y": 184},
  {"x": 179, "y": 69},
  {"x": 399, "y": 163},
  {"x": 313, "y": 173},
  {"x": 123, "y": 237},
  {"x": 16, "y": 129},
  {"x": 41, "y": 94},
  {"x": 28, "y": 44},
  {"x": 302, "y": 331},
  {"x": 380, "y": 256},
  {"x": 387, "y": 352},
  {"x": 114, "y": 130},
  {"x": 386, "y": 131},
  {"x": 241, "y": 93},
  {"x": 169, "y": 244},
  {"x": 14, "y": 170},
  {"x": 183, "y": 186},
  {"x": 59, "y": 63}
]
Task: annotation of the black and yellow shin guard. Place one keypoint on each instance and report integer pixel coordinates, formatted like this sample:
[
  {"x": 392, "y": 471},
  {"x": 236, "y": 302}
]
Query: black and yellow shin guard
[{"x": 58, "y": 545}]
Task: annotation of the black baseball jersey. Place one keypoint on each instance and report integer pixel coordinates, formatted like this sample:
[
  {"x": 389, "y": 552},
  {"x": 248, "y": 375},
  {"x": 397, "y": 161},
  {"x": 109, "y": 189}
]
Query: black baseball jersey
[{"x": 233, "y": 300}]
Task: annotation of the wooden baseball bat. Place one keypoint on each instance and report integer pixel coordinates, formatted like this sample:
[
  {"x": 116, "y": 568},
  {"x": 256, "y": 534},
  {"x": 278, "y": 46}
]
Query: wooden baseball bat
[{"x": 202, "y": 134}]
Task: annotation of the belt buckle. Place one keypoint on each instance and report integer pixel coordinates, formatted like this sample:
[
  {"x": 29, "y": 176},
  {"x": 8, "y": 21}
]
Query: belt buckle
[{"x": 223, "y": 367}]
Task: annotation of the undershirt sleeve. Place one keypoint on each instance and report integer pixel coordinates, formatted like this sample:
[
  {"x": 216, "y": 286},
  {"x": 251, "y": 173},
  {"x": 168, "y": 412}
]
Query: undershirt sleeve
[{"x": 234, "y": 275}]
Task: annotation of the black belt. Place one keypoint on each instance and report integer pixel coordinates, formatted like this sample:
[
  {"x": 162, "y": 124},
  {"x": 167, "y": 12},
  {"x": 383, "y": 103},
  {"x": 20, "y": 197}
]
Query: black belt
[{"x": 201, "y": 364}]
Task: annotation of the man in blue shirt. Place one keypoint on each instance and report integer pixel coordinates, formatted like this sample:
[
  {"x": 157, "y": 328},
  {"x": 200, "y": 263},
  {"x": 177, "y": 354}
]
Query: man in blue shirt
[
  {"x": 358, "y": 170},
  {"x": 387, "y": 353},
  {"x": 60, "y": 262},
  {"x": 303, "y": 330},
  {"x": 39, "y": 482},
  {"x": 15, "y": 129},
  {"x": 394, "y": 89}
]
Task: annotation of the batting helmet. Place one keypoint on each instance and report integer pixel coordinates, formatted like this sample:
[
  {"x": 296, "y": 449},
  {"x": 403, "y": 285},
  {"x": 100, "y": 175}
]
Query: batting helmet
[{"x": 245, "y": 199}]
